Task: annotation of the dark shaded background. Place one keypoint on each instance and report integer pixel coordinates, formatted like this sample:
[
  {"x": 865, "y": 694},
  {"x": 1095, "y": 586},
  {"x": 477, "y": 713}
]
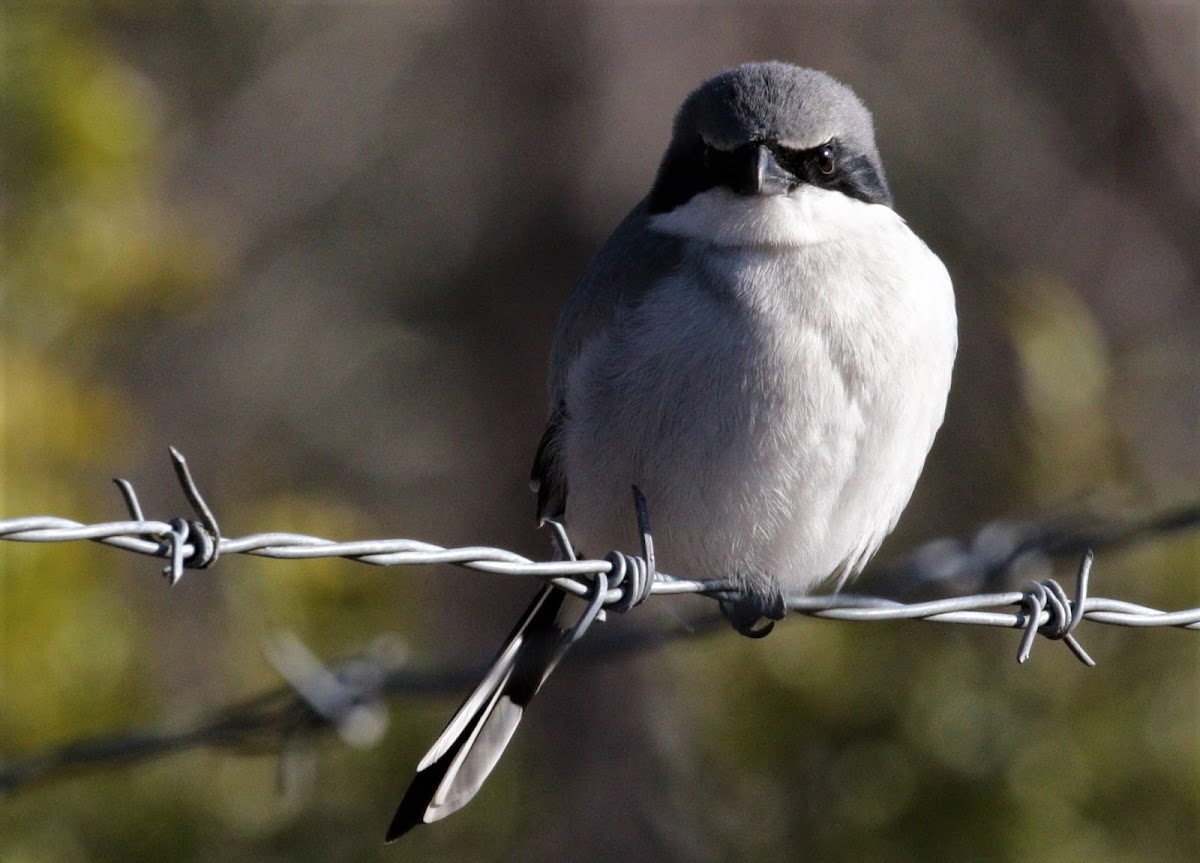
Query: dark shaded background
[{"x": 321, "y": 249}]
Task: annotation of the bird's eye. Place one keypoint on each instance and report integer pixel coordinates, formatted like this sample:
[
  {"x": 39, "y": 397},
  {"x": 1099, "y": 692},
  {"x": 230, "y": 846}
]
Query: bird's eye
[{"x": 826, "y": 163}]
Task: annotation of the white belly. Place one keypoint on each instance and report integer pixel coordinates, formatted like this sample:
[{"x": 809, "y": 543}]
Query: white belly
[{"x": 775, "y": 407}]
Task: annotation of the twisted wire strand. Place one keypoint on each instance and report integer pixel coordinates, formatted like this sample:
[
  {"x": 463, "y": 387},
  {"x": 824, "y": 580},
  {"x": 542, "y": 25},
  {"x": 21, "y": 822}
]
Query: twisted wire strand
[
  {"x": 155, "y": 539},
  {"x": 346, "y": 697}
]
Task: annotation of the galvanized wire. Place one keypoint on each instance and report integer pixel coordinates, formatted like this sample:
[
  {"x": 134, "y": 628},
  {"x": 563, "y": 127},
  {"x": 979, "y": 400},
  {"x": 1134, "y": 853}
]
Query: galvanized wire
[
  {"x": 161, "y": 539},
  {"x": 158, "y": 539},
  {"x": 197, "y": 543},
  {"x": 346, "y": 697}
]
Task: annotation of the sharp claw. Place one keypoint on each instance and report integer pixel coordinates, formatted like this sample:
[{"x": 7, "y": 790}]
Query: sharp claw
[{"x": 745, "y": 611}]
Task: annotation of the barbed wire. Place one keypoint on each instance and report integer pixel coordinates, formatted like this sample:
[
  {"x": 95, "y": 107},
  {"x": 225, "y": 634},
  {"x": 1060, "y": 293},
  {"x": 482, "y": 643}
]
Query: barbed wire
[
  {"x": 997, "y": 547},
  {"x": 347, "y": 697}
]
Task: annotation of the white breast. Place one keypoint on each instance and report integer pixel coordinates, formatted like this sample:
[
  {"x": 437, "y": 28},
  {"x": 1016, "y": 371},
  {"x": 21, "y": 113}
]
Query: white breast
[{"x": 774, "y": 399}]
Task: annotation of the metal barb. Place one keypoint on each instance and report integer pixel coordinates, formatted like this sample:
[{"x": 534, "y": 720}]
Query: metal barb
[
  {"x": 561, "y": 541},
  {"x": 628, "y": 573},
  {"x": 595, "y": 609},
  {"x": 643, "y": 516},
  {"x": 595, "y": 604},
  {"x": 349, "y": 704},
  {"x": 1064, "y": 615},
  {"x": 131, "y": 499},
  {"x": 1079, "y": 606},
  {"x": 634, "y": 575},
  {"x": 176, "y": 539},
  {"x": 207, "y": 551}
]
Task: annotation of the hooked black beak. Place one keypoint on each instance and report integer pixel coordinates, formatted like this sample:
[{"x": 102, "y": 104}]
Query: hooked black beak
[{"x": 761, "y": 173}]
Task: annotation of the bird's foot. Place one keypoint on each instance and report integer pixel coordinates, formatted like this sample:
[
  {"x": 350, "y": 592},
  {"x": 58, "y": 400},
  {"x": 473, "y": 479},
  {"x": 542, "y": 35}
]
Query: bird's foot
[{"x": 754, "y": 614}]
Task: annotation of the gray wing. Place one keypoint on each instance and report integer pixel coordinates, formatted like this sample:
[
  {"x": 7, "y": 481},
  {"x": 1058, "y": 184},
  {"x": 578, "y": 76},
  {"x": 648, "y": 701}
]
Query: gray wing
[{"x": 629, "y": 264}]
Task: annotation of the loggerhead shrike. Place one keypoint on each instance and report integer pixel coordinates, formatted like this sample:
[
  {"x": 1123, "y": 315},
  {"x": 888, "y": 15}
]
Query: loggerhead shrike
[{"x": 763, "y": 347}]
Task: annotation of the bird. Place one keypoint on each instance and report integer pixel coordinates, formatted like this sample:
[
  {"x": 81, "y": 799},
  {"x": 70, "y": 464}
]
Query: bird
[{"x": 763, "y": 348}]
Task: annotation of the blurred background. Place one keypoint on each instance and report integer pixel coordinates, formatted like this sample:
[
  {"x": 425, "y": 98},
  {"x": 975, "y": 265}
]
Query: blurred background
[{"x": 321, "y": 248}]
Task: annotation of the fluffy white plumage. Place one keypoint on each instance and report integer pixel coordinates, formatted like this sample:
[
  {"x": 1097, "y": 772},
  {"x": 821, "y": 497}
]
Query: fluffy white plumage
[{"x": 811, "y": 337}]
